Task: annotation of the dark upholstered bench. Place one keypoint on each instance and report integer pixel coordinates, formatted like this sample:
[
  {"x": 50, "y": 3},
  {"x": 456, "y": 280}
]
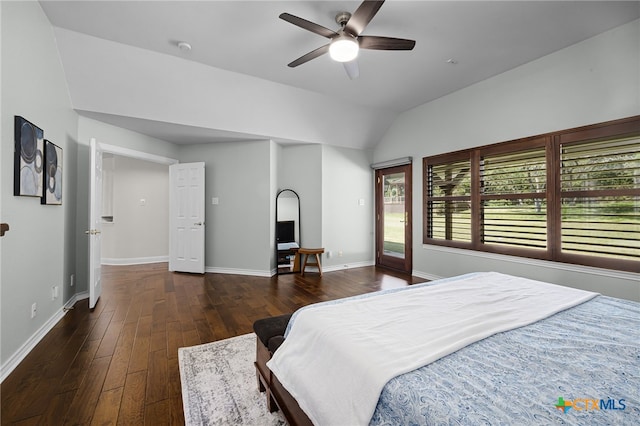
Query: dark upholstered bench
[{"x": 270, "y": 332}]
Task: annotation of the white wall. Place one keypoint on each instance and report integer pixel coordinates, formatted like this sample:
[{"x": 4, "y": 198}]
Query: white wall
[
  {"x": 139, "y": 232},
  {"x": 591, "y": 82},
  {"x": 38, "y": 251}
]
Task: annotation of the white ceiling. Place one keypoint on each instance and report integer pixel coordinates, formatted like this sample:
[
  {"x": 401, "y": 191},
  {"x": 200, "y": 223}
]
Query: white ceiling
[{"x": 247, "y": 37}]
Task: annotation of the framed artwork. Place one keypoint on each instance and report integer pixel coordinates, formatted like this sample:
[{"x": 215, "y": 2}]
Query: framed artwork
[
  {"x": 28, "y": 158},
  {"x": 52, "y": 180}
]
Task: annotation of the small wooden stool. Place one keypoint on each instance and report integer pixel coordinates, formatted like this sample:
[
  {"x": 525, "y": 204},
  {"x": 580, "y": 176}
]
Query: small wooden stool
[{"x": 308, "y": 252}]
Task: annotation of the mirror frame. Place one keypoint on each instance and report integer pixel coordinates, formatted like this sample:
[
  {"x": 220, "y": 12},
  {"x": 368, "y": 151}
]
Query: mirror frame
[{"x": 291, "y": 271}]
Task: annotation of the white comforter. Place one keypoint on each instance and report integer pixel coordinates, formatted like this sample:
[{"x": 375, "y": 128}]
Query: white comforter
[{"x": 337, "y": 358}]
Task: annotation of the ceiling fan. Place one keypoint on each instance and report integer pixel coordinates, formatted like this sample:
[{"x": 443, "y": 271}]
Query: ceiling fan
[{"x": 347, "y": 41}]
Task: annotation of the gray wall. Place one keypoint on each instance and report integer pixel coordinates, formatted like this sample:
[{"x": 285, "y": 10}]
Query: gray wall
[
  {"x": 347, "y": 226},
  {"x": 330, "y": 182},
  {"x": 38, "y": 251},
  {"x": 300, "y": 169},
  {"x": 238, "y": 229},
  {"x": 591, "y": 82}
]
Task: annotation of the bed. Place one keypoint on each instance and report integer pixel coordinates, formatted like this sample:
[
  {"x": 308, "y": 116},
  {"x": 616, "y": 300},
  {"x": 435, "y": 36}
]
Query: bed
[{"x": 550, "y": 354}]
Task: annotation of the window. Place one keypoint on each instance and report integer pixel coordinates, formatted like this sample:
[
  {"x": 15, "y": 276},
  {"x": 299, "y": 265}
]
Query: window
[
  {"x": 513, "y": 198},
  {"x": 570, "y": 196},
  {"x": 600, "y": 198},
  {"x": 449, "y": 199}
]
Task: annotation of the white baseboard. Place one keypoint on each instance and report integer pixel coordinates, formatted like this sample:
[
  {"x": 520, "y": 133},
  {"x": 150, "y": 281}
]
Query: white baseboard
[
  {"x": 252, "y": 272},
  {"x": 80, "y": 296},
  {"x": 31, "y": 343},
  {"x": 28, "y": 346},
  {"x": 134, "y": 260},
  {"x": 342, "y": 267},
  {"x": 334, "y": 268},
  {"x": 271, "y": 273},
  {"x": 425, "y": 275}
]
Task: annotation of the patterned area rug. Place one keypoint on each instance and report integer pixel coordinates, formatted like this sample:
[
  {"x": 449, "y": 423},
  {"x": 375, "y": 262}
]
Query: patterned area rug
[{"x": 219, "y": 385}]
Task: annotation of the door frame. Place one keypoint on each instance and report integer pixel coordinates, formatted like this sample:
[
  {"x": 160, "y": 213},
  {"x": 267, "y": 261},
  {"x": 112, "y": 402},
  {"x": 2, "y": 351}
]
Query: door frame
[
  {"x": 406, "y": 264},
  {"x": 123, "y": 152}
]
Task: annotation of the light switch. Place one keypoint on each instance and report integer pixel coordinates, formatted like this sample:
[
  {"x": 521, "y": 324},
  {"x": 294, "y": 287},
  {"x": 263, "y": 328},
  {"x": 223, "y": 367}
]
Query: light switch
[
  {"x": 143, "y": 202},
  {"x": 215, "y": 201}
]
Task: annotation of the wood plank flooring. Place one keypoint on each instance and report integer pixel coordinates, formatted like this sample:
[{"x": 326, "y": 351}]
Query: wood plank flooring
[{"x": 118, "y": 364}]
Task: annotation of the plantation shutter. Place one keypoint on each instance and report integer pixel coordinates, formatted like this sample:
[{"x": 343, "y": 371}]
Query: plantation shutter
[
  {"x": 513, "y": 199},
  {"x": 448, "y": 200},
  {"x": 600, "y": 195}
]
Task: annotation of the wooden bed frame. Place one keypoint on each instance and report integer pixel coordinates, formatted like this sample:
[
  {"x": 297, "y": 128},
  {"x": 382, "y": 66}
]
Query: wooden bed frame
[{"x": 277, "y": 396}]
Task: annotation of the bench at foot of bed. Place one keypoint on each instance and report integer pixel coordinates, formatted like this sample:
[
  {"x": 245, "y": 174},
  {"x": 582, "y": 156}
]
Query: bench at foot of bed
[{"x": 270, "y": 332}]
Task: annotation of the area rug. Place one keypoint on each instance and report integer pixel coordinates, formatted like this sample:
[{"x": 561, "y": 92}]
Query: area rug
[{"x": 219, "y": 385}]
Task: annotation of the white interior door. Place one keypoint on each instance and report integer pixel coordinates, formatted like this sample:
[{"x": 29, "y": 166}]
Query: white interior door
[
  {"x": 186, "y": 217},
  {"x": 95, "y": 225}
]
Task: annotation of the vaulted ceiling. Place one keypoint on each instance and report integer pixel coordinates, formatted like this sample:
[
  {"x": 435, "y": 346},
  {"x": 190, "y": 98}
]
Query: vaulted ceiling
[{"x": 239, "y": 46}]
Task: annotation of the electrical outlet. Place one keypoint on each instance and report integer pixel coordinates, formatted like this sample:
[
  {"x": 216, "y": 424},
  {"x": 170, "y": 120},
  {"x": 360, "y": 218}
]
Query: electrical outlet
[
  {"x": 340, "y": 253},
  {"x": 54, "y": 292},
  {"x": 34, "y": 310}
]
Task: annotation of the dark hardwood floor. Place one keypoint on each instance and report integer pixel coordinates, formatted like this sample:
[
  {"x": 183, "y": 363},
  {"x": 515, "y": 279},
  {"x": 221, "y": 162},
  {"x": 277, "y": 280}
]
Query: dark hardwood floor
[{"x": 118, "y": 364}]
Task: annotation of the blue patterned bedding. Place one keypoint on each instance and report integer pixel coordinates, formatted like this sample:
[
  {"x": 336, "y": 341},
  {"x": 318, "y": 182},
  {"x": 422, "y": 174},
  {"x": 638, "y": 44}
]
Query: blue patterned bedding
[{"x": 588, "y": 356}]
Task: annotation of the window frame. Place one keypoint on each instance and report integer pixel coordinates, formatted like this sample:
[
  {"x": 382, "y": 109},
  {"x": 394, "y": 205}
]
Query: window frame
[{"x": 552, "y": 143}]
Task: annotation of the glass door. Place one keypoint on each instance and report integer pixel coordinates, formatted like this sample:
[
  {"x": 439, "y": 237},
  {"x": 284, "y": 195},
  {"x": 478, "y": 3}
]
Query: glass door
[{"x": 393, "y": 218}]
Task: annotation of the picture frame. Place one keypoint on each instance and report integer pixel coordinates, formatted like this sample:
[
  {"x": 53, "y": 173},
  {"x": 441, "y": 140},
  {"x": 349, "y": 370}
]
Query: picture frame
[
  {"x": 28, "y": 158},
  {"x": 52, "y": 174}
]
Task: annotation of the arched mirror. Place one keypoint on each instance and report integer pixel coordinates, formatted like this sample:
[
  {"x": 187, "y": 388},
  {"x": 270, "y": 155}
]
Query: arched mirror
[{"x": 287, "y": 231}]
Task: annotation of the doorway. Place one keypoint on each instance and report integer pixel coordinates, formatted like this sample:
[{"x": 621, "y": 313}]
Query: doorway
[
  {"x": 393, "y": 218},
  {"x": 98, "y": 149}
]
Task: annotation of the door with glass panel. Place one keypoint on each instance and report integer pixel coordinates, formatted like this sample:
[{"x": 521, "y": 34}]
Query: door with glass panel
[{"x": 393, "y": 218}]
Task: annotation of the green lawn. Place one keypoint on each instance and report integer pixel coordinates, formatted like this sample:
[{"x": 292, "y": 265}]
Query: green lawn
[{"x": 394, "y": 232}]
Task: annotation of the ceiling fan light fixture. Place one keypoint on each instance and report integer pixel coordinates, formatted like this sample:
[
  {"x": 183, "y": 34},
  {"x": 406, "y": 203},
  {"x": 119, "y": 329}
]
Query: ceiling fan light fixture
[{"x": 343, "y": 49}]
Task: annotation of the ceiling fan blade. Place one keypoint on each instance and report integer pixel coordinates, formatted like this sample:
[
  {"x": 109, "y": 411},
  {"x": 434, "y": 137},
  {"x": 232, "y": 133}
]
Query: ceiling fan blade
[
  {"x": 309, "y": 56},
  {"x": 385, "y": 43},
  {"x": 362, "y": 16},
  {"x": 352, "y": 69},
  {"x": 308, "y": 25}
]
